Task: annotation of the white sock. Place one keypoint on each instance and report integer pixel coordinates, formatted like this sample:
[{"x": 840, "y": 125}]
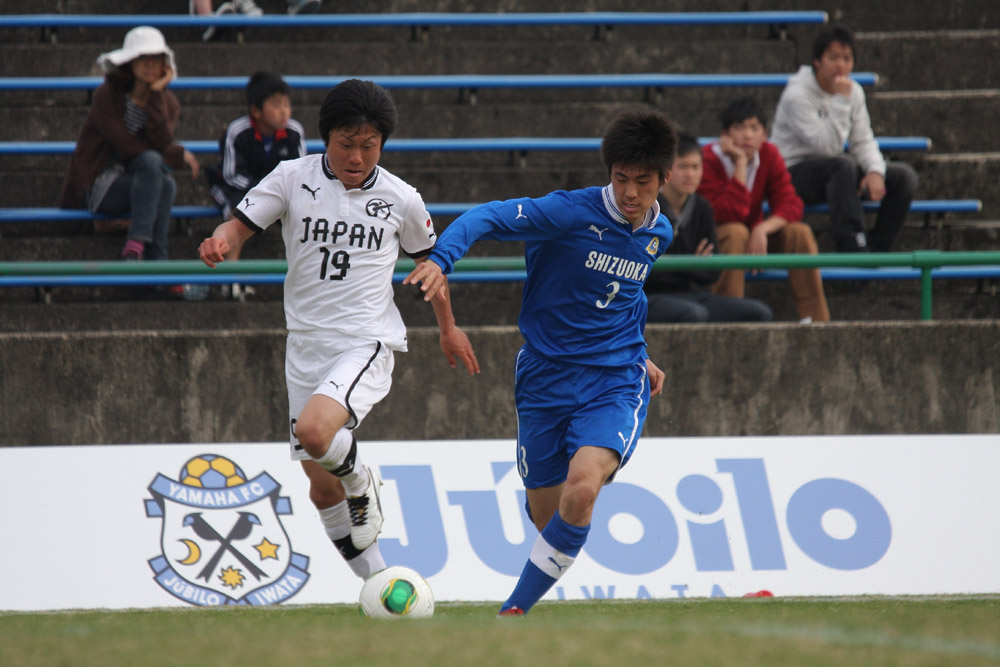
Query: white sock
[
  {"x": 337, "y": 524},
  {"x": 342, "y": 459}
]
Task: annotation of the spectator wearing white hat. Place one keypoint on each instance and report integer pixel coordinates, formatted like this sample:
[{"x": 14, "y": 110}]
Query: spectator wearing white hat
[{"x": 125, "y": 152}]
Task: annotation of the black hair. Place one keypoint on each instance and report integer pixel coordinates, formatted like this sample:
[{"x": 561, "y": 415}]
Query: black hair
[
  {"x": 687, "y": 144},
  {"x": 836, "y": 33},
  {"x": 640, "y": 137},
  {"x": 353, "y": 104},
  {"x": 740, "y": 110},
  {"x": 264, "y": 84},
  {"x": 123, "y": 76}
]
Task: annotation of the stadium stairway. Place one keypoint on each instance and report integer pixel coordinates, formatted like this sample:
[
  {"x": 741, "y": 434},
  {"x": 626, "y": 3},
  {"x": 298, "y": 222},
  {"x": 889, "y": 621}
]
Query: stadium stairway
[{"x": 927, "y": 87}]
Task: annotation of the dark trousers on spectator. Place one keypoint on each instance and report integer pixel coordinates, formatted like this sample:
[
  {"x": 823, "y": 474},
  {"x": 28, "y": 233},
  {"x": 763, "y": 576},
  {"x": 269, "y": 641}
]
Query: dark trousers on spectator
[
  {"x": 834, "y": 180},
  {"x": 145, "y": 192},
  {"x": 794, "y": 238},
  {"x": 701, "y": 305}
]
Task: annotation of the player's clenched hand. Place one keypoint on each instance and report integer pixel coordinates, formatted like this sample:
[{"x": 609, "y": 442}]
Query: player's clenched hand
[
  {"x": 431, "y": 279},
  {"x": 213, "y": 250},
  {"x": 455, "y": 344},
  {"x": 656, "y": 377}
]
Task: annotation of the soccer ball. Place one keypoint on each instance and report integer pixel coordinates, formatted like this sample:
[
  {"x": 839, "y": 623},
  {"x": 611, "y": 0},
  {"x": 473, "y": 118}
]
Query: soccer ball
[
  {"x": 210, "y": 471},
  {"x": 396, "y": 592}
]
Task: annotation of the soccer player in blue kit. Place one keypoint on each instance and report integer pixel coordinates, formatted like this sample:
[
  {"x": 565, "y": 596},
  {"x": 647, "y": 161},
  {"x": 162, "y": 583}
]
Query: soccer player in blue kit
[{"x": 582, "y": 378}]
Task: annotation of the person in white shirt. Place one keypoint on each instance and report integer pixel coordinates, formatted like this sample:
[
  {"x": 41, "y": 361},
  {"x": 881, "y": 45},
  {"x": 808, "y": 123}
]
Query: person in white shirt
[
  {"x": 820, "y": 109},
  {"x": 344, "y": 220}
]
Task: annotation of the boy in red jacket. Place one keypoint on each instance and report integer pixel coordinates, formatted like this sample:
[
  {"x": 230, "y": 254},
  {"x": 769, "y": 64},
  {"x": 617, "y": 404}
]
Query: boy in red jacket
[{"x": 742, "y": 171}]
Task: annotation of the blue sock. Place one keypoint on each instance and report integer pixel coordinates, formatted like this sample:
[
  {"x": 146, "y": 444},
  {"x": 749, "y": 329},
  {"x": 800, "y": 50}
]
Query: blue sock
[{"x": 554, "y": 551}]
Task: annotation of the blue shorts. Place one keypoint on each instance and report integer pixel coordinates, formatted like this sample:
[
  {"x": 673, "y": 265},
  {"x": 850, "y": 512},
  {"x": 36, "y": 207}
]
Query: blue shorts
[{"x": 562, "y": 407}]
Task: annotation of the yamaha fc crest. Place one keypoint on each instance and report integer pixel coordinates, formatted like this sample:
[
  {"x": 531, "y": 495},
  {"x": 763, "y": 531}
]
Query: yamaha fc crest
[{"x": 222, "y": 541}]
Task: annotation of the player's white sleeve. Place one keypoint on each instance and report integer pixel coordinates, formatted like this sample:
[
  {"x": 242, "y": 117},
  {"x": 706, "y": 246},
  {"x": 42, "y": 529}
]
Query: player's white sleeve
[
  {"x": 267, "y": 202},
  {"x": 416, "y": 230}
]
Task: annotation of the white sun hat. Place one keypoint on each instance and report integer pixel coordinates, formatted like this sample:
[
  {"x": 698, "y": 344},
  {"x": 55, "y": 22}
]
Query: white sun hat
[{"x": 141, "y": 41}]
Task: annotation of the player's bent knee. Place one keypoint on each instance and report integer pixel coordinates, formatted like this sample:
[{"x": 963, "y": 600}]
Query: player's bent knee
[
  {"x": 313, "y": 437},
  {"x": 578, "y": 503}
]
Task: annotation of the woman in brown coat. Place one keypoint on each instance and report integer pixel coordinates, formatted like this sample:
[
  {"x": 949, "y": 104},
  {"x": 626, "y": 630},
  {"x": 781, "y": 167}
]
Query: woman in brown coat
[{"x": 126, "y": 149}]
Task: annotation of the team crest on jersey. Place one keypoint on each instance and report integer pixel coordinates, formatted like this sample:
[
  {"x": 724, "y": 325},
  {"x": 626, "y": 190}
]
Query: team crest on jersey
[
  {"x": 378, "y": 208},
  {"x": 653, "y": 246},
  {"x": 222, "y": 541}
]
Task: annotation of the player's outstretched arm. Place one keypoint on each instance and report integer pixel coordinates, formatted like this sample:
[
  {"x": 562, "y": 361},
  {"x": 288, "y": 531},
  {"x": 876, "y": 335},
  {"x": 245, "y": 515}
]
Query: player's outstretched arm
[
  {"x": 454, "y": 343},
  {"x": 431, "y": 279},
  {"x": 656, "y": 378},
  {"x": 224, "y": 241}
]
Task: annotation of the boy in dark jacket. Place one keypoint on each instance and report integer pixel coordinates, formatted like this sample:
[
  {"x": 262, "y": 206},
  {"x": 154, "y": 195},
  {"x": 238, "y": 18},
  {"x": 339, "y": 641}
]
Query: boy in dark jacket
[
  {"x": 254, "y": 144},
  {"x": 685, "y": 296}
]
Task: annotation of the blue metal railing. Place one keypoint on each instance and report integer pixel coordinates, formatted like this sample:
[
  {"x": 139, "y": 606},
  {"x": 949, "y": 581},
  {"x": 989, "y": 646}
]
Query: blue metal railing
[
  {"x": 406, "y": 145},
  {"x": 437, "y": 81},
  {"x": 418, "y": 19}
]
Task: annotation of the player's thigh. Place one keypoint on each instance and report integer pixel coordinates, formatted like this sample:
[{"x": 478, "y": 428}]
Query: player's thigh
[
  {"x": 612, "y": 412},
  {"x": 545, "y": 399},
  {"x": 354, "y": 375}
]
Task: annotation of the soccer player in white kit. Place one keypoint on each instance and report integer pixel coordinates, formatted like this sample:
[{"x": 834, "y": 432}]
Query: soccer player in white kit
[{"x": 344, "y": 220}]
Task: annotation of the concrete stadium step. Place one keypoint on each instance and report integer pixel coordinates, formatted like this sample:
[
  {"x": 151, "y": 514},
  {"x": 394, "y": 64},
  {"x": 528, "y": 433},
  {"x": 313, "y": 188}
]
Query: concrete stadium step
[
  {"x": 893, "y": 56},
  {"x": 890, "y": 54},
  {"x": 954, "y": 120},
  {"x": 888, "y": 15},
  {"x": 564, "y": 56},
  {"x": 952, "y": 176},
  {"x": 483, "y": 304}
]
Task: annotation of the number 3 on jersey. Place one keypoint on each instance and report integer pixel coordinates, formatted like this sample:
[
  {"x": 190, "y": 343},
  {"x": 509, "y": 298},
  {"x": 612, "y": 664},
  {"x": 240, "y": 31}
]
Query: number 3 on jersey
[
  {"x": 614, "y": 286},
  {"x": 338, "y": 263}
]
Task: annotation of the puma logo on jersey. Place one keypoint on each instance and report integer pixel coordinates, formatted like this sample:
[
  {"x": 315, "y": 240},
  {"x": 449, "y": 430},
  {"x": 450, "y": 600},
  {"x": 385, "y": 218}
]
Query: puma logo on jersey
[
  {"x": 247, "y": 203},
  {"x": 310, "y": 190},
  {"x": 519, "y": 214},
  {"x": 599, "y": 232},
  {"x": 336, "y": 384}
]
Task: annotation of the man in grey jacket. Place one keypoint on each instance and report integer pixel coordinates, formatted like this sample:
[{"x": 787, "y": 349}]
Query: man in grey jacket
[{"x": 820, "y": 109}]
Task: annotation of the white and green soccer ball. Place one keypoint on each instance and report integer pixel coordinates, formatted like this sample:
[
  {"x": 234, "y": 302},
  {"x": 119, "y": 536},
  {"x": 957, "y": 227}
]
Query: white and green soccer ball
[{"x": 397, "y": 592}]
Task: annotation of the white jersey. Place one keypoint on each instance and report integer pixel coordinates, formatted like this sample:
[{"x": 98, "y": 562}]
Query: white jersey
[{"x": 342, "y": 246}]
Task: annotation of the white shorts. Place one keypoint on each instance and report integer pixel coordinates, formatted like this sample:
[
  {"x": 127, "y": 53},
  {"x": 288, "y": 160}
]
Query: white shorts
[{"x": 355, "y": 373}]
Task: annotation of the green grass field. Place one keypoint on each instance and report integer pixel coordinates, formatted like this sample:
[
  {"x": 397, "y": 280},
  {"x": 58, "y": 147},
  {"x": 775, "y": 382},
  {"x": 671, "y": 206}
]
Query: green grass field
[{"x": 776, "y": 631}]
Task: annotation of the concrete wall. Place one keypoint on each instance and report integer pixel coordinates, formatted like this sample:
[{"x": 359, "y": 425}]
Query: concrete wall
[{"x": 222, "y": 386}]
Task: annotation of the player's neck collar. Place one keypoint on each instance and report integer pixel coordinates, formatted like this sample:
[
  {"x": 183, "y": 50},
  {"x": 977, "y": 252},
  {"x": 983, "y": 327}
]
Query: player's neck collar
[
  {"x": 367, "y": 185},
  {"x": 611, "y": 206}
]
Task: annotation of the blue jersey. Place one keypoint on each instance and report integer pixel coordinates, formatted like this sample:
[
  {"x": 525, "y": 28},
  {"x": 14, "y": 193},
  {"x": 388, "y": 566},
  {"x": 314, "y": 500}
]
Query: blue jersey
[{"x": 583, "y": 301}]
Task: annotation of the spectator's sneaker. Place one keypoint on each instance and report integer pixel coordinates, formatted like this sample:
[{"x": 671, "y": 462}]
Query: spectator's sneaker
[
  {"x": 169, "y": 292},
  {"x": 855, "y": 243},
  {"x": 238, "y": 291},
  {"x": 366, "y": 512},
  {"x": 509, "y": 613},
  {"x": 303, "y": 6},
  {"x": 213, "y": 33},
  {"x": 247, "y": 7}
]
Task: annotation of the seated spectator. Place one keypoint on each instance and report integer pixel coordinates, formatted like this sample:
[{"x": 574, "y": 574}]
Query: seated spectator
[
  {"x": 742, "y": 171},
  {"x": 245, "y": 7},
  {"x": 253, "y": 145},
  {"x": 684, "y": 296},
  {"x": 820, "y": 109},
  {"x": 126, "y": 148}
]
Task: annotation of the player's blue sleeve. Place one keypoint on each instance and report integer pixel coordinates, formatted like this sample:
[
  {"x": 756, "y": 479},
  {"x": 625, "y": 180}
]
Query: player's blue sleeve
[{"x": 522, "y": 219}]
